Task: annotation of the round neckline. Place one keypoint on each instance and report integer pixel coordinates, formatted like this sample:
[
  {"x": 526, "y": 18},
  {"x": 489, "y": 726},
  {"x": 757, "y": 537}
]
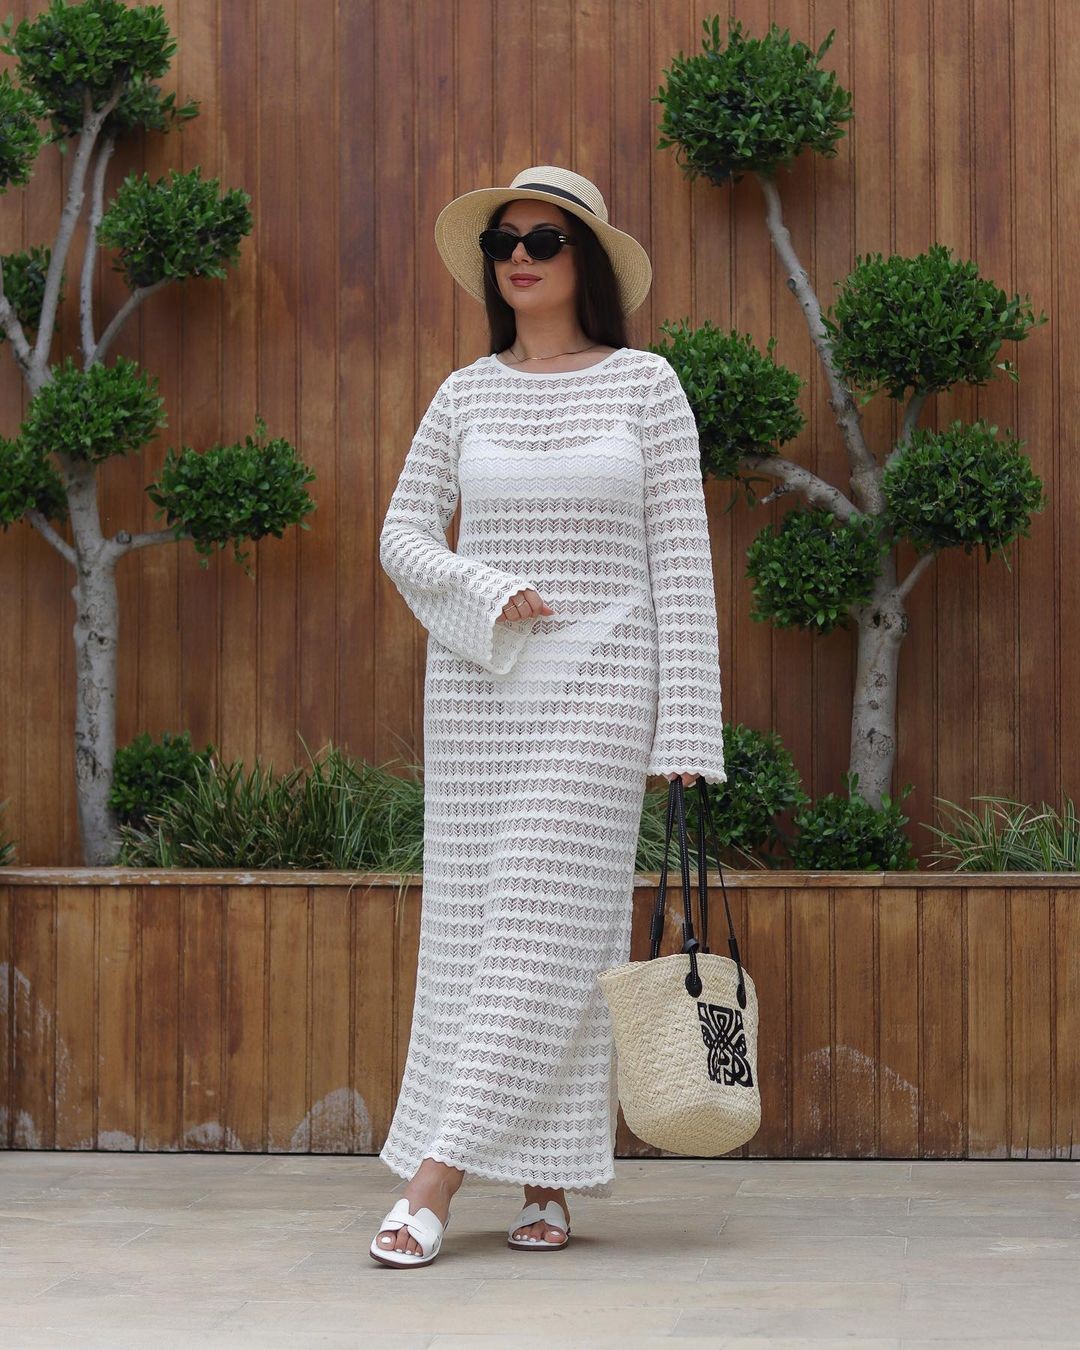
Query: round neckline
[{"x": 554, "y": 374}]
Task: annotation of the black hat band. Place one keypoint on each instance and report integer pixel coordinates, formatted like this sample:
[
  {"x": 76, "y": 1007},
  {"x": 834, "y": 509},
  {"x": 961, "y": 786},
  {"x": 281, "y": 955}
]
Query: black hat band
[{"x": 559, "y": 192}]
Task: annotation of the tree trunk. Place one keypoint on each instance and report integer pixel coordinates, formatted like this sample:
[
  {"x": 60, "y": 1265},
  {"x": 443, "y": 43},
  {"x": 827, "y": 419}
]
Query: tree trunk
[
  {"x": 882, "y": 625},
  {"x": 96, "y": 634}
]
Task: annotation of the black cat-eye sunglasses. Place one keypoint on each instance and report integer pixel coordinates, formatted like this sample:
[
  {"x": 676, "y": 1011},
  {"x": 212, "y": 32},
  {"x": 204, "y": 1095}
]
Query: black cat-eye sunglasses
[{"x": 541, "y": 243}]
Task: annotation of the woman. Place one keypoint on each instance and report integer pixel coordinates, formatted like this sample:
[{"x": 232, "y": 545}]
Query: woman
[{"x": 572, "y": 651}]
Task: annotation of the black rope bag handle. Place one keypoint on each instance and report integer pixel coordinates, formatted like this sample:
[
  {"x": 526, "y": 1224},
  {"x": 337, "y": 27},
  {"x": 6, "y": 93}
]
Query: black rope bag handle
[{"x": 691, "y": 944}]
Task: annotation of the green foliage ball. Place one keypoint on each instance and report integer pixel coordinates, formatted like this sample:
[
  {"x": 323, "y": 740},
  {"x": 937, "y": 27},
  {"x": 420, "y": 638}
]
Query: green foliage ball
[
  {"x": 94, "y": 414},
  {"x": 743, "y": 402},
  {"x": 962, "y": 487},
  {"x": 24, "y": 287},
  {"x": 20, "y": 139},
  {"x": 233, "y": 492},
  {"x": 174, "y": 229},
  {"x": 814, "y": 568},
  {"x": 68, "y": 51},
  {"x": 751, "y": 105},
  {"x": 28, "y": 482},
  {"x": 924, "y": 323}
]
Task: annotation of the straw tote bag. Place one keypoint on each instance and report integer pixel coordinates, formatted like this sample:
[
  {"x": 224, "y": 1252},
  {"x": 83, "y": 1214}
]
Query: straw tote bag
[{"x": 686, "y": 1026}]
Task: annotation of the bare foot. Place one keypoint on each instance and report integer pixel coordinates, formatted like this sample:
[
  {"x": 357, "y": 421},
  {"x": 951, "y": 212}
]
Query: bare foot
[
  {"x": 541, "y": 1229},
  {"x": 433, "y": 1186}
]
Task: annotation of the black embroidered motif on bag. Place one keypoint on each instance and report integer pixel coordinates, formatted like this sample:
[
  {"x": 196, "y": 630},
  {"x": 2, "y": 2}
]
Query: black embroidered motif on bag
[{"x": 723, "y": 1032}]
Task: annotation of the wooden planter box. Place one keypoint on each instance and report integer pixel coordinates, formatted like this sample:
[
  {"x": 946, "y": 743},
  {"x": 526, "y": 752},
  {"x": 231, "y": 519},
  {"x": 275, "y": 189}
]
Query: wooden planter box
[{"x": 903, "y": 1015}]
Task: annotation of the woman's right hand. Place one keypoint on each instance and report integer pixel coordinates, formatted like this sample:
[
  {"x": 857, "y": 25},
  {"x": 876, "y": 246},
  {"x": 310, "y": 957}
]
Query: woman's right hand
[{"x": 525, "y": 604}]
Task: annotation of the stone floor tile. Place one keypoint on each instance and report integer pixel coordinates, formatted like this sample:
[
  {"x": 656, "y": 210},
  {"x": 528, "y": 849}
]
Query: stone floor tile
[
  {"x": 983, "y": 1343},
  {"x": 400, "y": 1313},
  {"x": 838, "y": 1324},
  {"x": 235, "y": 1250},
  {"x": 1046, "y": 1248}
]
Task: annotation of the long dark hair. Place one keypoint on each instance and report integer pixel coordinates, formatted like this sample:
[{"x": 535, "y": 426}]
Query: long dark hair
[{"x": 599, "y": 306}]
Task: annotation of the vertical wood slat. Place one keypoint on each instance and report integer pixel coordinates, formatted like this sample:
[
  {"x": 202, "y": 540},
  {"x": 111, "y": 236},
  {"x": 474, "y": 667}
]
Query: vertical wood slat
[
  {"x": 898, "y": 1022},
  {"x": 767, "y": 956},
  {"x": 333, "y": 1105},
  {"x": 935, "y": 1021},
  {"x": 1066, "y": 982},
  {"x": 987, "y": 1023},
  {"x": 994, "y": 224},
  {"x": 360, "y": 489},
  {"x": 203, "y": 1017},
  {"x": 812, "y": 1054},
  {"x": 1065, "y": 489},
  {"x": 376, "y": 1018},
  {"x": 954, "y": 706},
  {"x": 118, "y": 1037},
  {"x": 833, "y": 207},
  {"x": 1032, "y": 1077},
  {"x": 941, "y": 1023},
  {"x": 282, "y": 267},
  {"x": 856, "y": 1072},
  {"x": 245, "y": 1018},
  {"x": 75, "y": 1044},
  {"x": 7, "y": 999},
  {"x": 906, "y": 144},
  {"x": 396, "y": 638},
  {"x": 159, "y": 1019},
  {"x": 199, "y": 418},
  {"x": 1040, "y": 636},
  {"x": 318, "y": 428},
  {"x": 288, "y": 1128},
  {"x": 33, "y": 1018},
  {"x": 242, "y": 334}
]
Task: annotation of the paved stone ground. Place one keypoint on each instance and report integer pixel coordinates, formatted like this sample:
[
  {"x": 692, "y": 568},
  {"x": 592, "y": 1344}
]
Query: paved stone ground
[{"x": 162, "y": 1250}]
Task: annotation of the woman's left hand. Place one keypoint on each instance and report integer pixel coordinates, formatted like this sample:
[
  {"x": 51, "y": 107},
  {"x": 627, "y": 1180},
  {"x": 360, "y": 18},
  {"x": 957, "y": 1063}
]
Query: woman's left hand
[{"x": 688, "y": 778}]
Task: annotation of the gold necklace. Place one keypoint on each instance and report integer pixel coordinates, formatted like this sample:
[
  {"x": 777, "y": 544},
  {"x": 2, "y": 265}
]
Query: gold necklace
[{"x": 520, "y": 359}]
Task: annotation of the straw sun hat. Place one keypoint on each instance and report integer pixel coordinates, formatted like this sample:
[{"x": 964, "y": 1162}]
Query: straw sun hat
[{"x": 459, "y": 224}]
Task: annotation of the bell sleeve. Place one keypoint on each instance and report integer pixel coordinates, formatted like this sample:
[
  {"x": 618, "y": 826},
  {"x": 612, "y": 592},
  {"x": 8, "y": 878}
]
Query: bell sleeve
[
  {"x": 689, "y": 727},
  {"x": 456, "y": 598}
]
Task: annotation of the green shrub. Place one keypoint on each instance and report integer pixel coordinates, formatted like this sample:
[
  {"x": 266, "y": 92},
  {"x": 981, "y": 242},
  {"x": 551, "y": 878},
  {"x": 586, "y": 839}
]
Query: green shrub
[
  {"x": 849, "y": 835},
  {"x": 345, "y": 814},
  {"x": 338, "y": 815},
  {"x": 762, "y": 784},
  {"x": 146, "y": 773}
]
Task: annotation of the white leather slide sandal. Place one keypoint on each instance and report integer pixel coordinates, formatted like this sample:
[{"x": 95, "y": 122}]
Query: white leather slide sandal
[
  {"x": 424, "y": 1226},
  {"x": 552, "y": 1214}
]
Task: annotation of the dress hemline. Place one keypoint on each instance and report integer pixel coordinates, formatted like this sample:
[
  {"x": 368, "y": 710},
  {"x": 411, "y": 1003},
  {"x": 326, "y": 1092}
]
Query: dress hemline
[{"x": 600, "y": 1188}]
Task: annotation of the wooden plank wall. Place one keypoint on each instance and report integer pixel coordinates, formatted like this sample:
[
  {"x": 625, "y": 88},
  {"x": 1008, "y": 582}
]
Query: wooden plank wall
[
  {"x": 351, "y": 124},
  {"x": 899, "y": 1019}
]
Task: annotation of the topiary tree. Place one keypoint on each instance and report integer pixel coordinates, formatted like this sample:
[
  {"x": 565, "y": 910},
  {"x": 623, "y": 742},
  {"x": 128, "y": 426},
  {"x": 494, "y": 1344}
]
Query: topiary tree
[
  {"x": 90, "y": 69},
  {"x": 908, "y": 326}
]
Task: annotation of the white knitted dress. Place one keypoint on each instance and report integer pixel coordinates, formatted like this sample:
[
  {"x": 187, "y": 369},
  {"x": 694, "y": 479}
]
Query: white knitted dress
[{"x": 538, "y": 735}]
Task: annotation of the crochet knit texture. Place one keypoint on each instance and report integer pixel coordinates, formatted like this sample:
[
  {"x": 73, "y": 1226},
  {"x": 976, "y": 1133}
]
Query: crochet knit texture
[{"x": 538, "y": 735}]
